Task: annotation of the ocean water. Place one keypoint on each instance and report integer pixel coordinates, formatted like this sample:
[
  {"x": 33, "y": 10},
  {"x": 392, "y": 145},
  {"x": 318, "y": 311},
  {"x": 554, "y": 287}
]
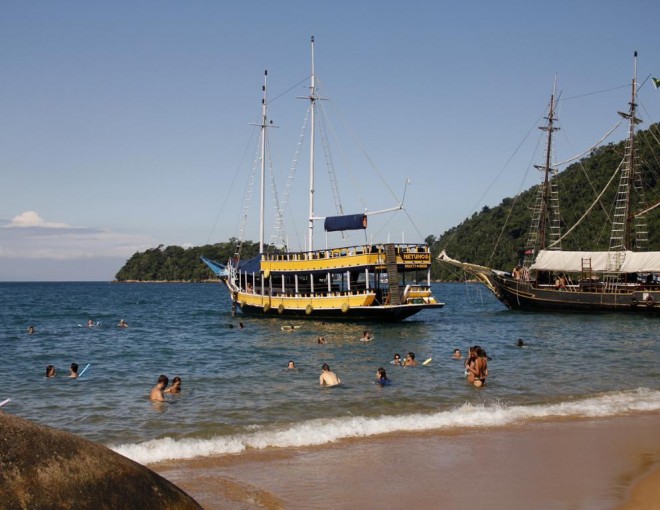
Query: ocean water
[{"x": 238, "y": 395}]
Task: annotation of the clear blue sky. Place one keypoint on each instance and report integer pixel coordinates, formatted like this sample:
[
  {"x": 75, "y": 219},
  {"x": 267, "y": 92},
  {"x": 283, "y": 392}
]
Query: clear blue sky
[{"x": 123, "y": 124}]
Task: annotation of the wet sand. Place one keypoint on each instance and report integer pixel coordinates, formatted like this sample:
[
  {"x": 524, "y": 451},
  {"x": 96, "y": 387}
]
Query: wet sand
[{"x": 586, "y": 464}]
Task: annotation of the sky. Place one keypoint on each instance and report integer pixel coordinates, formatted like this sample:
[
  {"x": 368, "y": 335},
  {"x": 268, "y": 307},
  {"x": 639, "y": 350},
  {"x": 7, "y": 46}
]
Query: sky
[{"x": 126, "y": 125}]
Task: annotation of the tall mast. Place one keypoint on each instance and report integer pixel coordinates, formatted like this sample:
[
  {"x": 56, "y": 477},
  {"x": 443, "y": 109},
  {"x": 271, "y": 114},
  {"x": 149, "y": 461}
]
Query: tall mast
[
  {"x": 312, "y": 99},
  {"x": 264, "y": 125},
  {"x": 545, "y": 205},
  {"x": 620, "y": 238}
]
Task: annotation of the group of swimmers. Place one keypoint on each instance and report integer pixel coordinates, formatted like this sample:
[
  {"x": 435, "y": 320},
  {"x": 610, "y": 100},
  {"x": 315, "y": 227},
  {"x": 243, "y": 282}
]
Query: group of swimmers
[
  {"x": 158, "y": 391},
  {"x": 408, "y": 362},
  {"x": 73, "y": 371}
]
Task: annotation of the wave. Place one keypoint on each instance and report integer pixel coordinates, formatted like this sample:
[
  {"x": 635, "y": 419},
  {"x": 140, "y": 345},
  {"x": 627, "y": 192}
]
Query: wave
[{"x": 326, "y": 430}]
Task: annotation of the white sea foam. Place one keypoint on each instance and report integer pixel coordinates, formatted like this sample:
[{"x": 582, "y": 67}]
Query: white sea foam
[{"x": 322, "y": 431}]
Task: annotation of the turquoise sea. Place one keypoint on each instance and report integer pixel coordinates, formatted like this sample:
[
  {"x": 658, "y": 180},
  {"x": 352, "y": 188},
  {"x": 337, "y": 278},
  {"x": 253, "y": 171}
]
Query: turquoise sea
[{"x": 238, "y": 395}]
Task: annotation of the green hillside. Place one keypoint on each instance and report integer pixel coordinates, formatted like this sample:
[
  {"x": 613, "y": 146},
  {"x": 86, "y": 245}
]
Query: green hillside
[{"x": 175, "y": 263}]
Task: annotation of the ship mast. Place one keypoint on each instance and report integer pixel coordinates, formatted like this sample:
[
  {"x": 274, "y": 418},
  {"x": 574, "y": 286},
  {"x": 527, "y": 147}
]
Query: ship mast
[
  {"x": 620, "y": 237},
  {"x": 312, "y": 99},
  {"x": 263, "y": 125},
  {"x": 546, "y": 207}
]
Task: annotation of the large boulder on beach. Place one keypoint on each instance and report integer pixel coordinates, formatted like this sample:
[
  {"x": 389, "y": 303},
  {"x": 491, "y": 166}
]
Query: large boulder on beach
[{"x": 43, "y": 468}]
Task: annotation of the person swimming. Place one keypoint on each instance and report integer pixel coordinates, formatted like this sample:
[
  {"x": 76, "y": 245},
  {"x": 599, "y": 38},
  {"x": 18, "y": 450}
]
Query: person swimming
[
  {"x": 176, "y": 386},
  {"x": 50, "y": 371},
  {"x": 327, "y": 377},
  {"x": 381, "y": 377},
  {"x": 367, "y": 336}
]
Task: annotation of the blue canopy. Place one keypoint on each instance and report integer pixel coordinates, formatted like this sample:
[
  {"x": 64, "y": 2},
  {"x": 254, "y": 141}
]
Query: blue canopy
[
  {"x": 252, "y": 265},
  {"x": 347, "y": 222},
  {"x": 216, "y": 267}
]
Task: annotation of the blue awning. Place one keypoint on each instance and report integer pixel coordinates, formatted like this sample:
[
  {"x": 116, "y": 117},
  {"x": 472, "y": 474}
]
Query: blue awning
[
  {"x": 252, "y": 265},
  {"x": 347, "y": 222}
]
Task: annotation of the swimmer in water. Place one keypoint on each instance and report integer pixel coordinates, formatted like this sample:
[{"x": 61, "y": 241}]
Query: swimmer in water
[
  {"x": 328, "y": 378},
  {"x": 157, "y": 391},
  {"x": 176, "y": 386},
  {"x": 50, "y": 371},
  {"x": 291, "y": 365},
  {"x": 30, "y": 330},
  {"x": 457, "y": 354},
  {"x": 410, "y": 360},
  {"x": 73, "y": 371},
  {"x": 367, "y": 336},
  {"x": 381, "y": 377}
]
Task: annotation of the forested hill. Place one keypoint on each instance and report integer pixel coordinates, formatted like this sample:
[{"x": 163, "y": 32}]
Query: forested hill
[
  {"x": 175, "y": 263},
  {"x": 494, "y": 237}
]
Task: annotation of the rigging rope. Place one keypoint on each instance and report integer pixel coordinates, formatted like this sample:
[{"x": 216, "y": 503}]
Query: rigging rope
[
  {"x": 590, "y": 207},
  {"x": 592, "y": 147}
]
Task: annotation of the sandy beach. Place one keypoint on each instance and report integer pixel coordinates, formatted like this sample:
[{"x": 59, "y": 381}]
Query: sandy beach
[{"x": 584, "y": 464}]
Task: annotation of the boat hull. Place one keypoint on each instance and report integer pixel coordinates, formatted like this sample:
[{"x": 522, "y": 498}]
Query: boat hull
[
  {"x": 388, "y": 313},
  {"x": 522, "y": 295}
]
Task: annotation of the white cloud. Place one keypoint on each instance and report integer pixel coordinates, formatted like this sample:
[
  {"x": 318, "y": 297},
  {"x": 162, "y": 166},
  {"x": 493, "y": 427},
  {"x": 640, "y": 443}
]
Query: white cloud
[
  {"x": 28, "y": 236},
  {"x": 32, "y": 219}
]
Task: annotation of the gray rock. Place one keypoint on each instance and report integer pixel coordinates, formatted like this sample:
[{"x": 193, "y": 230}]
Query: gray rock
[{"x": 44, "y": 468}]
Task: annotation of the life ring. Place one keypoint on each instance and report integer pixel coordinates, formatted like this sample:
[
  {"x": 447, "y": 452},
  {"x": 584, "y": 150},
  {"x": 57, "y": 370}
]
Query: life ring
[
  {"x": 266, "y": 308},
  {"x": 280, "y": 308},
  {"x": 633, "y": 302},
  {"x": 345, "y": 307},
  {"x": 650, "y": 301},
  {"x": 309, "y": 309}
]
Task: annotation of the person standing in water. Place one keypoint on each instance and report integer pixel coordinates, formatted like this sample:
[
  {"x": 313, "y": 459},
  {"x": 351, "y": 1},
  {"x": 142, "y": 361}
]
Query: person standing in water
[
  {"x": 176, "y": 386},
  {"x": 157, "y": 391},
  {"x": 328, "y": 378}
]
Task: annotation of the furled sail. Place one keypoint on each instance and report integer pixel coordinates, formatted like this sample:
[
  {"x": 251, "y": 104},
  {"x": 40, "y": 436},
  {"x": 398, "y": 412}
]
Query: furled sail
[{"x": 346, "y": 222}]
